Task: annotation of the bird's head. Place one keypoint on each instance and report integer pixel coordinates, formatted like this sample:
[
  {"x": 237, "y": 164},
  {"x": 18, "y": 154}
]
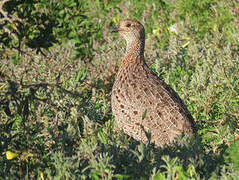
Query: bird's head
[{"x": 130, "y": 30}]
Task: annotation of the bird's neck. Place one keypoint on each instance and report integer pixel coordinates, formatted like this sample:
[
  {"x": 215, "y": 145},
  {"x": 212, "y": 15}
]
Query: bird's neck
[{"x": 134, "y": 48}]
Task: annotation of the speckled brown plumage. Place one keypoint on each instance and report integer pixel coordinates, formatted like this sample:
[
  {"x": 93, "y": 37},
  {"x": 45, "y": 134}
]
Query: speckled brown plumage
[{"x": 137, "y": 90}]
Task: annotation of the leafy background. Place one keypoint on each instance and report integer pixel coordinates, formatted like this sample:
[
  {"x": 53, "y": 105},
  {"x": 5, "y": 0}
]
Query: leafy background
[{"x": 58, "y": 64}]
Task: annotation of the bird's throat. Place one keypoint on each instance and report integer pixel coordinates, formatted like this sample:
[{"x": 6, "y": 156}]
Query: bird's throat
[{"x": 134, "y": 49}]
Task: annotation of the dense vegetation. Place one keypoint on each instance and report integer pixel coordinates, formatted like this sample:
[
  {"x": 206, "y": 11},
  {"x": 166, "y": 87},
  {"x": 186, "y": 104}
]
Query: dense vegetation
[{"x": 57, "y": 67}]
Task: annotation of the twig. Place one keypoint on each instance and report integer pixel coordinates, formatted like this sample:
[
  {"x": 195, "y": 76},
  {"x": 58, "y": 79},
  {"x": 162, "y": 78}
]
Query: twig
[{"x": 8, "y": 18}]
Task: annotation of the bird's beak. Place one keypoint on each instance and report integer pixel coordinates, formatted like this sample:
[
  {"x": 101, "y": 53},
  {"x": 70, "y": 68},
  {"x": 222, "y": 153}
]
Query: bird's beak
[{"x": 116, "y": 29}]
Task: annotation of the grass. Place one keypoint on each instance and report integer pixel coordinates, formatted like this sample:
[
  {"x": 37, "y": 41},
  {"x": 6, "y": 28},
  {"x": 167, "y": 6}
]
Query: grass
[{"x": 56, "y": 120}]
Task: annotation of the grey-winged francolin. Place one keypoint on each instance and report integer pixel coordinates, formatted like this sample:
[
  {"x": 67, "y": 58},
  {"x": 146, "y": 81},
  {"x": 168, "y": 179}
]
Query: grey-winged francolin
[{"x": 138, "y": 92}]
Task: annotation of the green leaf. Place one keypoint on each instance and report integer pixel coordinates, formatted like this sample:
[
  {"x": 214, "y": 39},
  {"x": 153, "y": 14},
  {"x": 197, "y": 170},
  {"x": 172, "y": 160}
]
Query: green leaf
[
  {"x": 232, "y": 154},
  {"x": 102, "y": 137},
  {"x": 159, "y": 176}
]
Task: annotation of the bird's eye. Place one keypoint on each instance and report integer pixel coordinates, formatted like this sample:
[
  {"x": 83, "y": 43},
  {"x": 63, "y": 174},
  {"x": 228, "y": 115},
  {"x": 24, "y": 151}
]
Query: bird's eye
[{"x": 128, "y": 25}]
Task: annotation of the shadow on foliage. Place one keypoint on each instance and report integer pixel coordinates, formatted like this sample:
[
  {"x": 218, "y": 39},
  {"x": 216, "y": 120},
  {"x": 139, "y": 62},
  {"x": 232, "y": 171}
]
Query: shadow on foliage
[
  {"x": 25, "y": 130},
  {"x": 136, "y": 160},
  {"x": 33, "y": 27},
  {"x": 41, "y": 24}
]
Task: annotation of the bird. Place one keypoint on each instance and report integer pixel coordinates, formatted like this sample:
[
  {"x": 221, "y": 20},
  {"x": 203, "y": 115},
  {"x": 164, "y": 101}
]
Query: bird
[{"x": 142, "y": 103}]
